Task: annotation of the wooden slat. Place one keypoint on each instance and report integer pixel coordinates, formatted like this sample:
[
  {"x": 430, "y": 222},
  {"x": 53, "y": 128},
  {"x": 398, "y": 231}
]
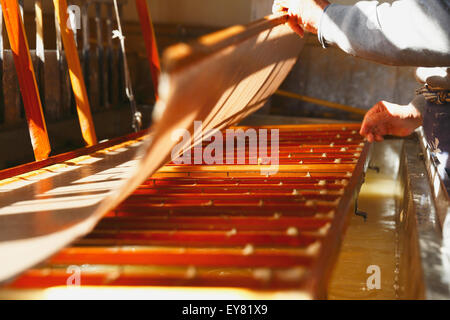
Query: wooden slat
[
  {"x": 27, "y": 80},
  {"x": 334, "y": 168},
  {"x": 98, "y": 275},
  {"x": 191, "y": 256},
  {"x": 76, "y": 76},
  {"x": 150, "y": 41}
]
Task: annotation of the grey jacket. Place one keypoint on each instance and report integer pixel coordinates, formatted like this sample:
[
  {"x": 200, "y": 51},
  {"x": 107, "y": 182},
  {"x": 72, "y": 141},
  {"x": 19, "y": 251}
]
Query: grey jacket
[{"x": 404, "y": 33}]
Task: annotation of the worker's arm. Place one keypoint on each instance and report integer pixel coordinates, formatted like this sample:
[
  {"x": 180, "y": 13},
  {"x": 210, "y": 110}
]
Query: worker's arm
[
  {"x": 406, "y": 32},
  {"x": 386, "y": 118}
]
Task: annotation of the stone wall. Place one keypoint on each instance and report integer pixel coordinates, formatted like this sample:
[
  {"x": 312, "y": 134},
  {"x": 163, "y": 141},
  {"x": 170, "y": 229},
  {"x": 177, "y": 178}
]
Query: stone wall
[{"x": 332, "y": 75}]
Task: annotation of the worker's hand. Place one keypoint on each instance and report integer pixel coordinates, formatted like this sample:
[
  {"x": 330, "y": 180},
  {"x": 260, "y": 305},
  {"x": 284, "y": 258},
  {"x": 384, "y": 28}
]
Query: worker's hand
[
  {"x": 386, "y": 118},
  {"x": 303, "y": 14}
]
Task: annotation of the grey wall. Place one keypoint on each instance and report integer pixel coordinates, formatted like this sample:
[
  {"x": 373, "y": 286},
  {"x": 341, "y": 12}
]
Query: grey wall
[{"x": 332, "y": 75}]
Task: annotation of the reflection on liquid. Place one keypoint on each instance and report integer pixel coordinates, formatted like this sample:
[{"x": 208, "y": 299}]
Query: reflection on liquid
[{"x": 374, "y": 242}]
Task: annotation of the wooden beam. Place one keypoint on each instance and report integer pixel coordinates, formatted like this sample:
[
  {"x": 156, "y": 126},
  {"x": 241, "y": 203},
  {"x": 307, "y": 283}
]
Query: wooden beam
[
  {"x": 5, "y": 174},
  {"x": 76, "y": 76},
  {"x": 325, "y": 103},
  {"x": 148, "y": 33},
  {"x": 26, "y": 77}
]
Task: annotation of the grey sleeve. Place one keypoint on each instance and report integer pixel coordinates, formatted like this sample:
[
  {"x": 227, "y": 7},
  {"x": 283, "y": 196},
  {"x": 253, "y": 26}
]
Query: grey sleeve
[{"x": 406, "y": 32}]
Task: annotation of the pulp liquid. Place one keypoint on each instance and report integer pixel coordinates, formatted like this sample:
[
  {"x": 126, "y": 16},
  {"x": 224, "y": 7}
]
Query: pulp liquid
[{"x": 373, "y": 242}]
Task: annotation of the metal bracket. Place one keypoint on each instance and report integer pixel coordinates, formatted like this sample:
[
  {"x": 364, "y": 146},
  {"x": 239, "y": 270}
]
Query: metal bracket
[
  {"x": 374, "y": 167},
  {"x": 359, "y": 212}
]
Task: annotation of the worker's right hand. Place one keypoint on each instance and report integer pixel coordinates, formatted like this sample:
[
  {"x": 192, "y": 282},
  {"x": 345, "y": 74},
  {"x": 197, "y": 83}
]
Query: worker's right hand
[
  {"x": 386, "y": 118},
  {"x": 303, "y": 14}
]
